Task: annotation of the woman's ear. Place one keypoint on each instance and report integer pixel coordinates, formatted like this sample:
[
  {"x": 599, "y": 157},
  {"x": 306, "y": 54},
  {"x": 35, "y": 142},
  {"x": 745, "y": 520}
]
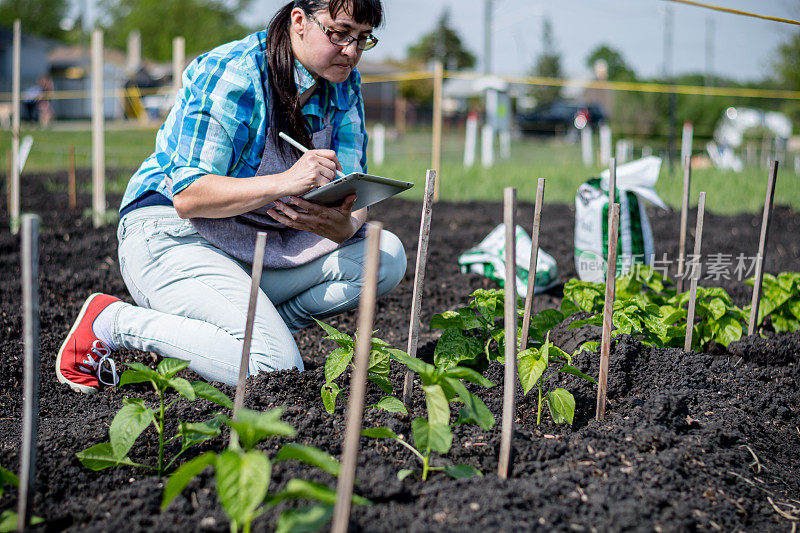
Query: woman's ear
[{"x": 297, "y": 21}]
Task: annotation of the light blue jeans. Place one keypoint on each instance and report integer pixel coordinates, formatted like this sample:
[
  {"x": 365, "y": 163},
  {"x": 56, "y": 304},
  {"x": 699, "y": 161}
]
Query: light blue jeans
[{"x": 192, "y": 297}]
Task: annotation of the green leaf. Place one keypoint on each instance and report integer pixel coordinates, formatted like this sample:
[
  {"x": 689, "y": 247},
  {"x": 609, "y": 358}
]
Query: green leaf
[
  {"x": 547, "y": 319},
  {"x": 242, "y": 481},
  {"x": 8, "y": 477},
  {"x": 170, "y": 366},
  {"x": 253, "y": 427},
  {"x": 379, "y": 432},
  {"x": 183, "y": 387},
  {"x": 309, "y": 455},
  {"x": 794, "y": 307},
  {"x": 590, "y": 346},
  {"x": 304, "y": 519},
  {"x": 211, "y": 393},
  {"x": 412, "y": 363},
  {"x": 474, "y": 410},
  {"x": 404, "y": 473},
  {"x": 448, "y": 320},
  {"x": 561, "y": 405},
  {"x": 128, "y": 424},
  {"x": 8, "y": 521},
  {"x": 382, "y": 382},
  {"x": 391, "y": 404},
  {"x": 136, "y": 376},
  {"x": 335, "y": 335},
  {"x": 467, "y": 374},
  {"x": 531, "y": 367},
  {"x": 337, "y": 363},
  {"x": 569, "y": 369},
  {"x": 431, "y": 437},
  {"x": 727, "y": 331},
  {"x": 438, "y": 406},
  {"x": 378, "y": 362},
  {"x": 196, "y": 432},
  {"x": 717, "y": 307},
  {"x": 329, "y": 393},
  {"x": 462, "y": 471},
  {"x": 101, "y": 456},
  {"x": 183, "y": 475},
  {"x": 453, "y": 347},
  {"x": 300, "y": 489}
]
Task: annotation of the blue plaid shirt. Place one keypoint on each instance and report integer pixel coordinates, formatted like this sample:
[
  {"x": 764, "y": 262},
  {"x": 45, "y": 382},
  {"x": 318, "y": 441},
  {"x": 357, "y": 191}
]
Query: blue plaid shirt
[{"x": 219, "y": 121}]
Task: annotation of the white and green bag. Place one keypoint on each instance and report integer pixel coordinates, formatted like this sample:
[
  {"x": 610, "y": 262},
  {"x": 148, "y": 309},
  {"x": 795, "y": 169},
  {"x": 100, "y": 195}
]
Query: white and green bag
[
  {"x": 635, "y": 182},
  {"x": 488, "y": 259}
]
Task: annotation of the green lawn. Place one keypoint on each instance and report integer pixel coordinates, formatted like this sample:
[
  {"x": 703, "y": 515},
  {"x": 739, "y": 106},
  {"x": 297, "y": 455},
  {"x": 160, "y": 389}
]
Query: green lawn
[{"x": 408, "y": 158}]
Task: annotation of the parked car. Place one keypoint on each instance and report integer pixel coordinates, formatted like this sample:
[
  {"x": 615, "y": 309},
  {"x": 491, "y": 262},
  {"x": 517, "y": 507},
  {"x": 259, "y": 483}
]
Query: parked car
[{"x": 560, "y": 117}]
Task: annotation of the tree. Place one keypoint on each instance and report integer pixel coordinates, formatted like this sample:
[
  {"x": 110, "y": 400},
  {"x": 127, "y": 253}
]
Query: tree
[
  {"x": 548, "y": 65},
  {"x": 787, "y": 68},
  {"x": 41, "y": 17},
  {"x": 618, "y": 69},
  {"x": 444, "y": 44},
  {"x": 203, "y": 23}
]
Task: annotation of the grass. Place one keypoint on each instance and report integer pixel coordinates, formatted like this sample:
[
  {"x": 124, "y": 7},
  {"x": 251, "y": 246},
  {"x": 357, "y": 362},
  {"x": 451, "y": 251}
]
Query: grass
[{"x": 408, "y": 158}]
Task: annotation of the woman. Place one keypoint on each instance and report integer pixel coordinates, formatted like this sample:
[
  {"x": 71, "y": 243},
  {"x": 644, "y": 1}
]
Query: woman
[{"x": 220, "y": 174}]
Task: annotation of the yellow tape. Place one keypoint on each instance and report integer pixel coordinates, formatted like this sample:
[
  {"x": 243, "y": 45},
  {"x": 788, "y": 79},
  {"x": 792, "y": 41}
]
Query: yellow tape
[{"x": 736, "y": 11}]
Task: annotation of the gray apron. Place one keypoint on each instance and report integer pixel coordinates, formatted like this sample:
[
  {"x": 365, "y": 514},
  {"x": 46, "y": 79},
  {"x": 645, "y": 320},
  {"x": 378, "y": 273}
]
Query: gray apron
[{"x": 286, "y": 247}]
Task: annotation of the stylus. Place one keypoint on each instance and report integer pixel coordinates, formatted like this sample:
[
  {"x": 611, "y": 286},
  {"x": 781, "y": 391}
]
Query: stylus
[{"x": 302, "y": 148}]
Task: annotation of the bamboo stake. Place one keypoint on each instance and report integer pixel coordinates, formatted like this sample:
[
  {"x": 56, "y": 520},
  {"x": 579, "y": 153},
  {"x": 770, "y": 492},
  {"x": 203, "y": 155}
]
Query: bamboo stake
[
  {"x": 698, "y": 238},
  {"x": 9, "y": 169},
  {"x": 612, "y": 184},
  {"x": 537, "y": 217},
  {"x": 762, "y": 248},
  {"x": 258, "y": 267},
  {"x": 30, "y": 421},
  {"x": 438, "y": 80},
  {"x": 358, "y": 381},
  {"x": 98, "y": 135},
  {"x": 73, "y": 202},
  {"x": 13, "y": 204},
  {"x": 687, "y": 180},
  {"x": 419, "y": 277},
  {"x": 608, "y": 310},
  {"x": 510, "y": 318}
]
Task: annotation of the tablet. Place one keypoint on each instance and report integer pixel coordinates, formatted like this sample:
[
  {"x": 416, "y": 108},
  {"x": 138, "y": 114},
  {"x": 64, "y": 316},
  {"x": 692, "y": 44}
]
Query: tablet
[{"x": 368, "y": 189}]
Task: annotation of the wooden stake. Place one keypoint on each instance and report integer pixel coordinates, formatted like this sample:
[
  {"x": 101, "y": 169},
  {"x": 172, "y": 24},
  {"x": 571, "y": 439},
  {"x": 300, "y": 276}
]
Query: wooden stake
[
  {"x": 608, "y": 310},
  {"x": 30, "y": 411},
  {"x": 438, "y": 80},
  {"x": 98, "y": 135},
  {"x": 10, "y": 166},
  {"x": 419, "y": 277},
  {"x": 73, "y": 202},
  {"x": 698, "y": 239},
  {"x": 510, "y": 318},
  {"x": 537, "y": 216},
  {"x": 687, "y": 180},
  {"x": 13, "y": 204},
  {"x": 612, "y": 184},
  {"x": 258, "y": 267},
  {"x": 358, "y": 381},
  {"x": 762, "y": 248}
]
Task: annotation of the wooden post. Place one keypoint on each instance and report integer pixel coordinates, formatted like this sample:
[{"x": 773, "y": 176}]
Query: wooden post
[
  {"x": 13, "y": 204},
  {"x": 537, "y": 217},
  {"x": 378, "y": 144},
  {"x": 470, "y": 139},
  {"x": 438, "y": 80},
  {"x": 698, "y": 239},
  {"x": 258, "y": 267},
  {"x": 762, "y": 248},
  {"x": 587, "y": 151},
  {"x": 400, "y": 115},
  {"x": 178, "y": 61},
  {"x": 612, "y": 185},
  {"x": 687, "y": 180},
  {"x": 686, "y": 140},
  {"x": 9, "y": 170},
  {"x": 510, "y": 318},
  {"x": 73, "y": 201},
  {"x": 419, "y": 277},
  {"x": 30, "y": 411},
  {"x": 358, "y": 381},
  {"x": 98, "y": 135},
  {"x": 608, "y": 311},
  {"x": 134, "y": 51}
]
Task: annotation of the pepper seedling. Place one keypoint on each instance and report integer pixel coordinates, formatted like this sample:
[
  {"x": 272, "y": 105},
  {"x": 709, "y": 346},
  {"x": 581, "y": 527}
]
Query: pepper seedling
[
  {"x": 8, "y": 518},
  {"x": 780, "y": 299}
]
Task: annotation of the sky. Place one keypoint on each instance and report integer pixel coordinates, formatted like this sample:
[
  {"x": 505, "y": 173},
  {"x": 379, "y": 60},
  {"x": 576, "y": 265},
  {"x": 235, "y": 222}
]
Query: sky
[{"x": 744, "y": 48}]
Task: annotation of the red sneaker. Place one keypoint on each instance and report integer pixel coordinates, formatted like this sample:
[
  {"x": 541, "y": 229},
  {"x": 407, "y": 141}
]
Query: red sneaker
[{"x": 83, "y": 361}]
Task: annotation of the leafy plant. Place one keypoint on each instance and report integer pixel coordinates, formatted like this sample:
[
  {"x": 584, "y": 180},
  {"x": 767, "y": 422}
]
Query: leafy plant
[
  {"x": 342, "y": 357},
  {"x": 433, "y": 433},
  {"x": 717, "y": 318},
  {"x": 242, "y": 476},
  {"x": 8, "y": 518},
  {"x": 533, "y": 363},
  {"x": 780, "y": 299},
  {"x": 135, "y": 416}
]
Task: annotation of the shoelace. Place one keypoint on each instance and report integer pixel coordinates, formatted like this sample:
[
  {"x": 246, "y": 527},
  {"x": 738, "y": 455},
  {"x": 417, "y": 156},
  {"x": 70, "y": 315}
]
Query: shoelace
[{"x": 104, "y": 352}]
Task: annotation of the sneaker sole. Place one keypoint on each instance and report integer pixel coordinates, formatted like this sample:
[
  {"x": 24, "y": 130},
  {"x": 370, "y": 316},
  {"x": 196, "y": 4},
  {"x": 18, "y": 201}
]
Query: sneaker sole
[{"x": 74, "y": 386}]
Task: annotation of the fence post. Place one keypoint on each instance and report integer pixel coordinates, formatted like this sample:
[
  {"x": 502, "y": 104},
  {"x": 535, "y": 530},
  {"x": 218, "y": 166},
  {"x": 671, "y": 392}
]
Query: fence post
[
  {"x": 586, "y": 146},
  {"x": 98, "y": 139},
  {"x": 686, "y": 140},
  {"x": 178, "y": 60},
  {"x": 470, "y": 139},
  {"x": 134, "y": 51},
  {"x": 378, "y": 144},
  {"x": 605, "y": 144},
  {"x": 13, "y": 205},
  {"x": 438, "y": 80},
  {"x": 487, "y": 145}
]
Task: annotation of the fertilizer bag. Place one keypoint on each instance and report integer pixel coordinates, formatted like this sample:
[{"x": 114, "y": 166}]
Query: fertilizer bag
[{"x": 635, "y": 182}]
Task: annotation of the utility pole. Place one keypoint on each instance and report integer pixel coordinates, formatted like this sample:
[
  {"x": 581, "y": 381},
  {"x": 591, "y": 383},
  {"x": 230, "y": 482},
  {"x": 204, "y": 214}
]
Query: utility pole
[{"x": 487, "y": 36}]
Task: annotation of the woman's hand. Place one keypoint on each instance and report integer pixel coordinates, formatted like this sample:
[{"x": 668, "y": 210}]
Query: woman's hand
[
  {"x": 335, "y": 223},
  {"x": 313, "y": 169}
]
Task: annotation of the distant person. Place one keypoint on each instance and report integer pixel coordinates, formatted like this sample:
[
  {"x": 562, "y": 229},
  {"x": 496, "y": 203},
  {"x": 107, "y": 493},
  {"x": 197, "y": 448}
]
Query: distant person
[
  {"x": 30, "y": 102},
  {"x": 43, "y": 107},
  {"x": 219, "y": 174}
]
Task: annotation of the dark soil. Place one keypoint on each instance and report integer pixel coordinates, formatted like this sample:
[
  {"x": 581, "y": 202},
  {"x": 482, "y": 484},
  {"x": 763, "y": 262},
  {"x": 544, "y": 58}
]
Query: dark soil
[{"x": 691, "y": 442}]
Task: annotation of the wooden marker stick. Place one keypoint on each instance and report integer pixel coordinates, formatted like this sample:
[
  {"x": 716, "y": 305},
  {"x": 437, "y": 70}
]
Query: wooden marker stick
[
  {"x": 358, "y": 381},
  {"x": 608, "y": 311},
  {"x": 258, "y": 267},
  {"x": 436, "y": 157},
  {"x": 71, "y": 179},
  {"x": 762, "y": 247},
  {"x": 612, "y": 184},
  {"x": 419, "y": 277},
  {"x": 510, "y": 317},
  {"x": 30, "y": 411},
  {"x": 537, "y": 217},
  {"x": 698, "y": 238},
  {"x": 687, "y": 180}
]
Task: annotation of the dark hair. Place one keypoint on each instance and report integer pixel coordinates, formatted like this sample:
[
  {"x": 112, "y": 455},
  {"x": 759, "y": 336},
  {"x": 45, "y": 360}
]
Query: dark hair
[{"x": 286, "y": 113}]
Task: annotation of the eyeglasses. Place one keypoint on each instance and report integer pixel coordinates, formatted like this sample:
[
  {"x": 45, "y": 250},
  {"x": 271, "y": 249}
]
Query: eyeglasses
[{"x": 341, "y": 38}]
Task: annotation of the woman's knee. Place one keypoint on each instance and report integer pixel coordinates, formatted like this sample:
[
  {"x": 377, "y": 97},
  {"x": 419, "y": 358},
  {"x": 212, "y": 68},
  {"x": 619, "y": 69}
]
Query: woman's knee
[
  {"x": 393, "y": 262},
  {"x": 270, "y": 356}
]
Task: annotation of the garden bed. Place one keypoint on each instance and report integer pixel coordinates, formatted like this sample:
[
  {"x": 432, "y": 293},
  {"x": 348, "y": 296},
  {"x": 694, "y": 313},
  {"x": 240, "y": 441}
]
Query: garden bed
[{"x": 691, "y": 441}]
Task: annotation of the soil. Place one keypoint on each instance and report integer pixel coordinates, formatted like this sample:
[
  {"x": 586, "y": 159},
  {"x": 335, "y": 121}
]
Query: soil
[{"x": 691, "y": 441}]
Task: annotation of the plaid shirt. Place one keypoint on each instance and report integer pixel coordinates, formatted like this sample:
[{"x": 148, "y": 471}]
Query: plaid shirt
[{"x": 219, "y": 121}]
